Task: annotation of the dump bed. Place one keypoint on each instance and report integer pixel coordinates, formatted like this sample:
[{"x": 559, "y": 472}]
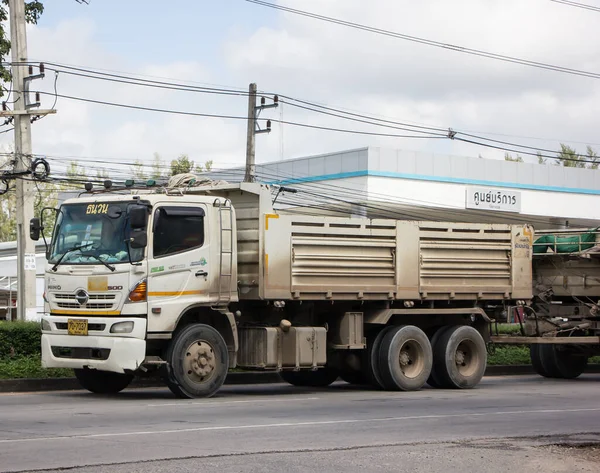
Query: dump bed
[
  {"x": 567, "y": 262},
  {"x": 362, "y": 259}
]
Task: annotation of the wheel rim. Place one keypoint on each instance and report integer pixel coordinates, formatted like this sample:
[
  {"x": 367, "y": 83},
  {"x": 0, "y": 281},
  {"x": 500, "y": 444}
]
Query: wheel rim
[
  {"x": 467, "y": 358},
  {"x": 200, "y": 362},
  {"x": 411, "y": 358}
]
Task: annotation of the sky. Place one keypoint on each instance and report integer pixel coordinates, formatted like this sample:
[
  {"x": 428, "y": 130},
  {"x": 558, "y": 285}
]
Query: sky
[{"x": 231, "y": 43}]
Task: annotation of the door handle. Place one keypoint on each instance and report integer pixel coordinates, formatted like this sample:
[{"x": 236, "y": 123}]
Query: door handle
[{"x": 201, "y": 273}]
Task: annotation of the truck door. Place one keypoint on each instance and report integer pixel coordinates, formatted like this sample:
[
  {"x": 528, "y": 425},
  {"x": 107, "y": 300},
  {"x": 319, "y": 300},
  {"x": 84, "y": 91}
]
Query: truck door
[{"x": 178, "y": 264}]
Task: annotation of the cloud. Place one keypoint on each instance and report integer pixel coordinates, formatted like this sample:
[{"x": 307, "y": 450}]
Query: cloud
[
  {"x": 411, "y": 82},
  {"x": 333, "y": 65}
]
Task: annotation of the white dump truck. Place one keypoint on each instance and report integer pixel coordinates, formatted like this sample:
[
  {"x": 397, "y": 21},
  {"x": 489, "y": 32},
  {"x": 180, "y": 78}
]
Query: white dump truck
[{"x": 189, "y": 282}]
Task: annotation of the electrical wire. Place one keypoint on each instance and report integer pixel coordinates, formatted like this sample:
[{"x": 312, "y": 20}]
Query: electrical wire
[
  {"x": 233, "y": 117},
  {"x": 428, "y": 42},
  {"x": 578, "y": 5},
  {"x": 362, "y": 118}
]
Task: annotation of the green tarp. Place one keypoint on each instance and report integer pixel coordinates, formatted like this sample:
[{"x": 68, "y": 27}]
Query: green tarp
[{"x": 571, "y": 244}]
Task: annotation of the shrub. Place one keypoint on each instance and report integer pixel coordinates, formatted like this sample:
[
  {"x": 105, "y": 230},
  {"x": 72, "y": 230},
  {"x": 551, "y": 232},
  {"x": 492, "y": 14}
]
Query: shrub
[{"x": 19, "y": 339}]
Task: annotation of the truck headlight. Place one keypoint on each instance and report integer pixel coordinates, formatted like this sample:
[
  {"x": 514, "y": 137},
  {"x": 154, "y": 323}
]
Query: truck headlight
[
  {"x": 122, "y": 327},
  {"x": 46, "y": 327}
]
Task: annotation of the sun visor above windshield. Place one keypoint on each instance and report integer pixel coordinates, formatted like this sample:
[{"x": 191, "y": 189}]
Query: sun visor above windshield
[{"x": 183, "y": 211}]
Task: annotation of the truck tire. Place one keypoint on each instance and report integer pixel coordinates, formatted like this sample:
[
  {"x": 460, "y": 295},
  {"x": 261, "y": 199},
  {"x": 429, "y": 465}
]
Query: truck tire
[
  {"x": 432, "y": 380},
  {"x": 198, "y": 362},
  {"x": 460, "y": 358},
  {"x": 569, "y": 364},
  {"x": 372, "y": 372},
  {"x": 352, "y": 367},
  {"x": 102, "y": 382},
  {"x": 536, "y": 360},
  {"x": 316, "y": 379},
  {"x": 548, "y": 361},
  {"x": 405, "y": 358}
]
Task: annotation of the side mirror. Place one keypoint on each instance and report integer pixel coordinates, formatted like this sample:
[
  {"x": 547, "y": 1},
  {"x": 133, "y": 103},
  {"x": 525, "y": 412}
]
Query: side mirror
[
  {"x": 34, "y": 229},
  {"x": 138, "y": 239},
  {"x": 138, "y": 217}
]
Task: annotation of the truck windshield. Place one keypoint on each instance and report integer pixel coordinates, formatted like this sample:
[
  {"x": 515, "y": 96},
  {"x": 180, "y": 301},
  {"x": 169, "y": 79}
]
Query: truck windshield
[{"x": 97, "y": 231}]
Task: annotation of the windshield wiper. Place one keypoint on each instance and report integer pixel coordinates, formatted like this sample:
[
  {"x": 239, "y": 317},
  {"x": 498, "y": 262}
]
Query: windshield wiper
[
  {"x": 109, "y": 266},
  {"x": 75, "y": 248}
]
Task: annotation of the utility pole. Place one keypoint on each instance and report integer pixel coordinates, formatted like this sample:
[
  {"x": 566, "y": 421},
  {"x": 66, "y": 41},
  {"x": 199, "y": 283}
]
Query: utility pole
[
  {"x": 26, "y": 270},
  {"x": 251, "y": 136},
  {"x": 254, "y": 129}
]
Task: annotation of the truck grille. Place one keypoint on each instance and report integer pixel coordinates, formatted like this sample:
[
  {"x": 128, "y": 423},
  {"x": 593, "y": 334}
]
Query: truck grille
[
  {"x": 92, "y": 297},
  {"x": 95, "y": 301},
  {"x": 89, "y": 305}
]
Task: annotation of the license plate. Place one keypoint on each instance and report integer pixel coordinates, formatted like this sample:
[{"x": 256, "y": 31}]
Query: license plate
[{"x": 77, "y": 326}]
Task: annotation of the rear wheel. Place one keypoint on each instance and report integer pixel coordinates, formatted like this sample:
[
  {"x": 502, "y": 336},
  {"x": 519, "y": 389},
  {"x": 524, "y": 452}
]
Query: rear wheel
[
  {"x": 198, "y": 362},
  {"x": 319, "y": 378},
  {"x": 405, "y": 358},
  {"x": 536, "y": 360},
  {"x": 569, "y": 362},
  {"x": 548, "y": 361},
  {"x": 432, "y": 380},
  {"x": 102, "y": 382},
  {"x": 352, "y": 367},
  {"x": 372, "y": 359},
  {"x": 460, "y": 358},
  {"x": 562, "y": 361}
]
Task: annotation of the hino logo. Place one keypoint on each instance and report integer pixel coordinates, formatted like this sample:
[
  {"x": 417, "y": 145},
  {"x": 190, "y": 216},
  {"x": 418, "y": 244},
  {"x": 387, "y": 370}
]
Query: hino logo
[{"x": 81, "y": 296}]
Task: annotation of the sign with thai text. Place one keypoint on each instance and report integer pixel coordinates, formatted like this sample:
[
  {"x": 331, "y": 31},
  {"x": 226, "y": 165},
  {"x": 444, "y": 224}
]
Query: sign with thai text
[{"x": 486, "y": 198}]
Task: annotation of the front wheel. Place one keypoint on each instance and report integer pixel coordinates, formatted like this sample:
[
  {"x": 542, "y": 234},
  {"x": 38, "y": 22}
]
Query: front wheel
[
  {"x": 102, "y": 382},
  {"x": 198, "y": 362}
]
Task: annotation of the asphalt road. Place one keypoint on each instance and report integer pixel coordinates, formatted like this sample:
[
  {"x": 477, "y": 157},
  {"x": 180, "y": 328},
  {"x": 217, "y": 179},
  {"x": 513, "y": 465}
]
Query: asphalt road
[{"x": 506, "y": 424}]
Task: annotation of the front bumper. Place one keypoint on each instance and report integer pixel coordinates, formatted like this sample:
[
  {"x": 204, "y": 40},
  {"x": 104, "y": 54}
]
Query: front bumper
[{"x": 102, "y": 350}]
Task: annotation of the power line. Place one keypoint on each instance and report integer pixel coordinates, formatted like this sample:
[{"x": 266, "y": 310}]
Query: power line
[
  {"x": 318, "y": 108},
  {"x": 181, "y": 87},
  {"x": 428, "y": 42},
  {"x": 578, "y": 5},
  {"x": 232, "y": 117}
]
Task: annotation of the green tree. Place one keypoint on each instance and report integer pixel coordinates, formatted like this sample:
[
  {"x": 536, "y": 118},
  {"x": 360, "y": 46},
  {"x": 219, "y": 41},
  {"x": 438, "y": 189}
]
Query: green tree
[
  {"x": 568, "y": 157},
  {"x": 509, "y": 157},
  {"x": 102, "y": 174},
  {"x": 33, "y": 11},
  {"x": 138, "y": 170},
  {"x": 207, "y": 167},
  {"x": 182, "y": 165},
  {"x": 75, "y": 171},
  {"x": 157, "y": 167},
  {"x": 541, "y": 159},
  {"x": 8, "y": 218}
]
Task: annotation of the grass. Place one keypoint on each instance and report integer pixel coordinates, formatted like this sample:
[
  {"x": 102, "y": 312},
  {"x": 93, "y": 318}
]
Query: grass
[
  {"x": 29, "y": 367},
  {"x": 509, "y": 355}
]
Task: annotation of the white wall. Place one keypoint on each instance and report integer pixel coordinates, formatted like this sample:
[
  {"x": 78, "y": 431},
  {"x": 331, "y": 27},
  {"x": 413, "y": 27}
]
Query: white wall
[{"x": 441, "y": 194}]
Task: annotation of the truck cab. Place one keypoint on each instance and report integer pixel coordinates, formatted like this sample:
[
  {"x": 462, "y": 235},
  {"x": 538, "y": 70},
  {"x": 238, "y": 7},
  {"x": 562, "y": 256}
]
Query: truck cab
[{"x": 121, "y": 272}]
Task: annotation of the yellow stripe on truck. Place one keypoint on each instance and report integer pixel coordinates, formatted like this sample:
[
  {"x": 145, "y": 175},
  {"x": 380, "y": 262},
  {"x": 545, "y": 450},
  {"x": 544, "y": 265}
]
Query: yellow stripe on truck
[
  {"x": 85, "y": 312},
  {"x": 175, "y": 293},
  {"x": 267, "y": 217}
]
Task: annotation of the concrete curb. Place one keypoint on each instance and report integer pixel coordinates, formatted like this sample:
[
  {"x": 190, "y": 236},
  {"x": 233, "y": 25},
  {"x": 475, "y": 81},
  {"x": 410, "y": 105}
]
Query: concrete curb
[
  {"x": 250, "y": 377},
  {"x": 69, "y": 384}
]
